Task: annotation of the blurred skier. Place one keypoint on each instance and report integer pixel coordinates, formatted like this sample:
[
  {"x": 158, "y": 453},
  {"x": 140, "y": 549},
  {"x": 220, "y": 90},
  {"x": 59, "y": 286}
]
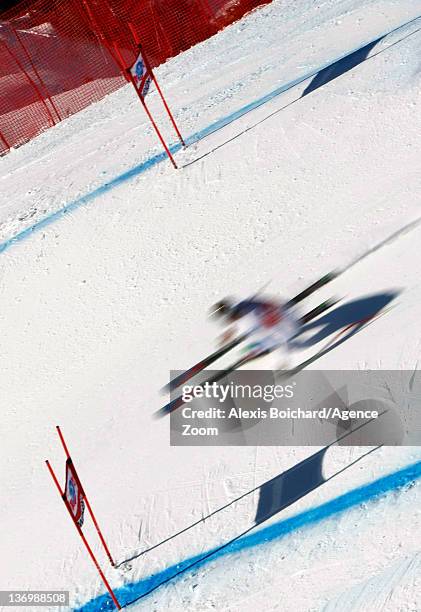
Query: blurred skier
[{"x": 268, "y": 324}]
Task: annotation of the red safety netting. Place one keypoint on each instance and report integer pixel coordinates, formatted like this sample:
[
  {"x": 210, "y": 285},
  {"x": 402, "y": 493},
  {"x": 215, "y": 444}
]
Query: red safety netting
[{"x": 59, "y": 56}]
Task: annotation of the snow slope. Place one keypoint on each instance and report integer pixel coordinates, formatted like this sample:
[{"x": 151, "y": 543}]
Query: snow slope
[{"x": 99, "y": 304}]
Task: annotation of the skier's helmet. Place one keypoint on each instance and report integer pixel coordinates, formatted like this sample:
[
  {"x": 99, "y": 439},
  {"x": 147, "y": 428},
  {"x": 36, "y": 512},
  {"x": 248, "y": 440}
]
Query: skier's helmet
[{"x": 223, "y": 308}]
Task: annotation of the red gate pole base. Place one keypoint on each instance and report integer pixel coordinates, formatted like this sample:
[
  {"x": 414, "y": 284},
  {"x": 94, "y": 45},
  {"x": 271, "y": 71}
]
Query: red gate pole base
[{"x": 164, "y": 144}]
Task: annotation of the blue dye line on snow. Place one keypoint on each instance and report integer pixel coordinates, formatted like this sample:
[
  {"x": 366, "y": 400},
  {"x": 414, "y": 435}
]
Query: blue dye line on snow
[
  {"x": 159, "y": 158},
  {"x": 309, "y": 518}
]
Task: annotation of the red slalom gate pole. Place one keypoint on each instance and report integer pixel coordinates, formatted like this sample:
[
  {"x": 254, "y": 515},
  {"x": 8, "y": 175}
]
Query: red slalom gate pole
[
  {"x": 88, "y": 505},
  {"x": 32, "y": 83},
  {"x": 206, "y": 10},
  {"x": 167, "y": 108},
  {"x": 130, "y": 78},
  {"x": 5, "y": 141},
  {"x": 151, "y": 72},
  {"x": 84, "y": 540},
  {"x": 29, "y": 58},
  {"x": 151, "y": 119}
]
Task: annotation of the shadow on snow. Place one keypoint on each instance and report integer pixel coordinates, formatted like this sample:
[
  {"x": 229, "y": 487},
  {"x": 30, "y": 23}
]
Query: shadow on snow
[{"x": 396, "y": 481}]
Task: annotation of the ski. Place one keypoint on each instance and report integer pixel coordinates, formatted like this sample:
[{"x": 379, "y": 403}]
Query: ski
[
  {"x": 179, "y": 401},
  {"x": 318, "y": 311},
  {"x": 207, "y": 361},
  {"x": 327, "y": 278},
  {"x": 201, "y": 365}
]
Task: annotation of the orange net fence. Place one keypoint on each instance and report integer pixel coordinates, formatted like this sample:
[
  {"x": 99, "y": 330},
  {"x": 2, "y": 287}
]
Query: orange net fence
[{"x": 56, "y": 56}]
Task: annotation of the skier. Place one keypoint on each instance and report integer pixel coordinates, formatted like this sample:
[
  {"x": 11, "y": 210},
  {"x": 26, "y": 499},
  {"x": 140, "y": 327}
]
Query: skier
[{"x": 268, "y": 324}]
